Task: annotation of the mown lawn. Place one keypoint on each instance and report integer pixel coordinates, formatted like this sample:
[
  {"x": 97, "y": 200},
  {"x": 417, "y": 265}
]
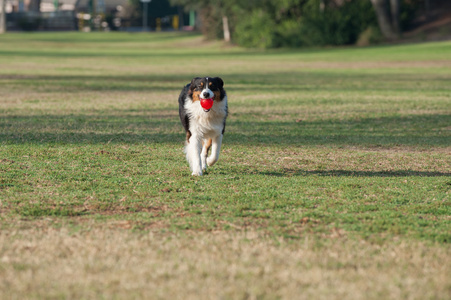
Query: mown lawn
[{"x": 334, "y": 180}]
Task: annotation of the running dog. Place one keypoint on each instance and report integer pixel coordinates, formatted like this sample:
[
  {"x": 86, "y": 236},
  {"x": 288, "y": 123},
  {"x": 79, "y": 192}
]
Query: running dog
[{"x": 203, "y": 111}]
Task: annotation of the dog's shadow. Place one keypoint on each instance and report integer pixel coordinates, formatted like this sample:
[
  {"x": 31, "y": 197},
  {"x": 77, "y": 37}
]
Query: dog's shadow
[{"x": 344, "y": 173}]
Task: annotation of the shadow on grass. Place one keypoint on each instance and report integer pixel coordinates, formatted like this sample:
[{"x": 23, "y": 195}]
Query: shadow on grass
[
  {"x": 120, "y": 47},
  {"x": 174, "y": 53},
  {"x": 351, "y": 173},
  {"x": 235, "y": 83},
  {"x": 163, "y": 126}
]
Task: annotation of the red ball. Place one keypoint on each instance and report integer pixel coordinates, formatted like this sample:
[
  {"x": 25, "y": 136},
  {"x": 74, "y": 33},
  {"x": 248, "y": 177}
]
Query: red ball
[{"x": 206, "y": 103}]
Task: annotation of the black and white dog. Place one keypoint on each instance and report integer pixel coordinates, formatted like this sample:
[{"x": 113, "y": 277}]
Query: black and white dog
[{"x": 204, "y": 123}]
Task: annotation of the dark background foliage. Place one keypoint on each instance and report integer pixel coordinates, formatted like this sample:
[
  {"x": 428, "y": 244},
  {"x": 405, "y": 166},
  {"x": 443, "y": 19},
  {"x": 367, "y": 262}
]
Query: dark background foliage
[{"x": 296, "y": 23}]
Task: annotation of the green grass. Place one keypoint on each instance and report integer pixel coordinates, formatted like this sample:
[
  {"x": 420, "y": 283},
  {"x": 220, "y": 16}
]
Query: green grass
[{"x": 320, "y": 144}]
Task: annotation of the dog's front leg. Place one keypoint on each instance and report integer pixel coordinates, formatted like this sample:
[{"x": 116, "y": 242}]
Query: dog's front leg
[
  {"x": 215, "y": 149},
  {"x": 206, "y": 144},
  {"x": 193, "y": 149}
]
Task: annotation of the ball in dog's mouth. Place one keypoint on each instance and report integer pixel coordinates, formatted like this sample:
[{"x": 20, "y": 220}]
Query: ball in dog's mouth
[{"x": 206, "y": 104}]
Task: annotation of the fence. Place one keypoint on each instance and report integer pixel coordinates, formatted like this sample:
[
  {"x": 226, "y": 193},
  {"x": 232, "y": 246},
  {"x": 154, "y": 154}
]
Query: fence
[{"x": 30, "y": 20}]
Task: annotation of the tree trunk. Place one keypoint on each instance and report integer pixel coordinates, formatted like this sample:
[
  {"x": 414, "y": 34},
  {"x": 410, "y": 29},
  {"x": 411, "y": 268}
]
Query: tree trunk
[
  {"x": 384, "y": 19},
  {"x": 225, "y": 26},
  {"x": 394, "y": 10},
  {"x": 2, "y": 16}
]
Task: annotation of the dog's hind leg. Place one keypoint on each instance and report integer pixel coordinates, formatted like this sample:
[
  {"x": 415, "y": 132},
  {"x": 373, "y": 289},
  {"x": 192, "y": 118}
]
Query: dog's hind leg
[
  {"x": 206, "y": 144},
  {"x": 215, "y": 149}
]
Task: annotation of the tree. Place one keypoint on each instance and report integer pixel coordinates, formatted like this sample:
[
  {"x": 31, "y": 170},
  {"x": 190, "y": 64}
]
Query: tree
[
  {"x": 218, "y": 16},
  {"x": 2, "y": 16},
  {"x": 387, "y": 12},
  {"x": 295, "y": 23}
]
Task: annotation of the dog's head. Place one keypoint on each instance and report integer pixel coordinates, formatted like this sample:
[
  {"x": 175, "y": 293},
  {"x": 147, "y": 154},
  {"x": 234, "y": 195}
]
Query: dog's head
[{"x": 202, "y": 88}]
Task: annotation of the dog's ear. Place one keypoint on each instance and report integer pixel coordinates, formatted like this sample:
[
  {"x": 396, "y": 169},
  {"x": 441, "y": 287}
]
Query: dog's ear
[
  {"x": 219, "y": 82},
  {"x": 192, "y": 86},
  {"x": 193, "y": 82}
]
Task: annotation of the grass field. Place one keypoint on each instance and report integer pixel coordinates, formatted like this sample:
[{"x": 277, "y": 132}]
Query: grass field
[{"x": 334, "y": 181}]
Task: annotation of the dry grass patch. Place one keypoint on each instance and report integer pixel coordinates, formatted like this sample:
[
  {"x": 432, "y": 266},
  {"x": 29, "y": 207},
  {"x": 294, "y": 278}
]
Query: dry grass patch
[{"x": 112, "y": 263}]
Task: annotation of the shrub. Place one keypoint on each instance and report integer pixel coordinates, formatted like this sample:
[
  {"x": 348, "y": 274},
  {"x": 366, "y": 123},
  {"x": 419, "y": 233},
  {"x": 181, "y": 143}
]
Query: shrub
[
  {"x": 256, "y": 31},
  {"x": 372, "y": 35},
  {"x": 334, "y": 25},
  {"x": 29, "y": 23},
  {"x": 409, "y": 10},
  {"x": 309, "y": 26},
  {"x": 211, "y": 19},
  {"x": 288, "y": 34}
]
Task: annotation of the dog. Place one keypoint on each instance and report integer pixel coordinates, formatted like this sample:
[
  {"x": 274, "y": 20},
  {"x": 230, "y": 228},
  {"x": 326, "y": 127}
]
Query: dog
[{"x": 204, "y": 126}]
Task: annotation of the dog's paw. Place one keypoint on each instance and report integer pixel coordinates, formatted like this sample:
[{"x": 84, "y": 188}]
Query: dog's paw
[
  {"x": 198, "y": 173},
  {"x": 211, "y": 161}
]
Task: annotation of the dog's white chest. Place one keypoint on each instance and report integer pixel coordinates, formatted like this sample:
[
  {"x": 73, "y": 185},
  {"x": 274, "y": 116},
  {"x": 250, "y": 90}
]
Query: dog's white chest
[{"x": 206, "y": 123}]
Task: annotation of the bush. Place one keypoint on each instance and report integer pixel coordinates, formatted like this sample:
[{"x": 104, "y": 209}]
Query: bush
[
  {"x": 211, "y": 19},
  {"x": 409, "y": 10},
  {"x": 29, "y": 23},
  {"x": 310, "y": 26},
  {"x": 372, "y": 35},
  {"x": 288, "y": 34},
  {"x": 336, "y": 25},
  {"x": 256, "y": 31}
]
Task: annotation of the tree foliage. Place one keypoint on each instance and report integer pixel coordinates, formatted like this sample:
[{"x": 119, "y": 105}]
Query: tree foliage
[{"x": 290, "y": 23}]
